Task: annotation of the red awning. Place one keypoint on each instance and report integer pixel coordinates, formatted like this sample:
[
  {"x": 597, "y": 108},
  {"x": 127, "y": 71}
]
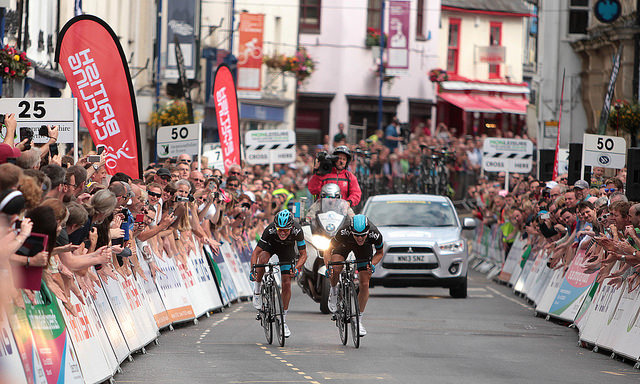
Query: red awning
[
  {"x": 515, "y": 106},
  {"x": 468, "y": 103}
]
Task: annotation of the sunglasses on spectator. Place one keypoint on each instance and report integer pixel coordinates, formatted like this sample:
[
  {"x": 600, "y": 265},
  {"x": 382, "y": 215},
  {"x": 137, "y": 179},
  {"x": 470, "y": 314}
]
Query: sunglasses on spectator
[
  {"x": 610, "y": 189},
  {"x": 154, "y": 194},
  {"x": 234, "y": 173},
  {"x": 232, "y": 185},
  {"x": 185, "y": 161},
  {"x": 199, "y": 180},
  {"x": 604, "y": 217},
  {"x": 563, "y": 178},
  {"x": 165, "y": 178}
]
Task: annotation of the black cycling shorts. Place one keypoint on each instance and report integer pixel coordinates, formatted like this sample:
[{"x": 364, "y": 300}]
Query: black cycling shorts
[
  {"x": 344, "y": 252},
  {"x": 285, "y": 254}
]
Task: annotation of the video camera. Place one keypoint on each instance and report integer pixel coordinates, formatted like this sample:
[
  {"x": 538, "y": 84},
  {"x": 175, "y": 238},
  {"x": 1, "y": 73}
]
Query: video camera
[
  {"x": 326, "y": 163},
  {"x": 405, "y": 132}
]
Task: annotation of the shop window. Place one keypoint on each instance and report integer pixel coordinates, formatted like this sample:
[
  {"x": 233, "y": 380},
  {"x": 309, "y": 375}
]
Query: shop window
[
  {"x": 578, "y": 16},
  {"x": 495, "y": 39},
  {"x": 453, "y": 45},
  {"x": 310, "y": 16}
]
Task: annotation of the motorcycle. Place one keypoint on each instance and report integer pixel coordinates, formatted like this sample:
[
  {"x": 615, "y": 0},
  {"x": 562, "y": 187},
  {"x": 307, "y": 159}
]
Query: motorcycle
[{"x": 323, "y": 220}]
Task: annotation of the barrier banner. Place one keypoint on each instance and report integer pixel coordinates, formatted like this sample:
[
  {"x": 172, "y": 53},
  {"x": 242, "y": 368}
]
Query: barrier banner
[
  {"x": 226, "y": 286},
  {"x": 160, "y": 315},
  {"x": 226, "y": 103},
  {"x": 518, "y": 287},
  {"x": 101, "y": 332},
  {"x": 96, "y": 69},
  {"x": 204, "y": 279},
  {"x": 111, "y": 326},
  {"x": 550, "y": 292},
  {"x": 513, "y": 260},
  {"x": 627, "y": 328},
  {"x": 33, "y": 369},
  {"x": 575, "y": 286},
  {"x": 58, "y": 358},
  {"x": 597, "y": 316},
  {"x": 541, "y": 279},
  {"x": 240, "y": 279},
  {"x": 12, "y": 369},
  {"x": 146, "y": 327},
  {"x": 582, "y": 315},
  {"x": 533, "y": 272},
  {"x": 172, "y": 291},
  {"x": 93, "y": 360}
]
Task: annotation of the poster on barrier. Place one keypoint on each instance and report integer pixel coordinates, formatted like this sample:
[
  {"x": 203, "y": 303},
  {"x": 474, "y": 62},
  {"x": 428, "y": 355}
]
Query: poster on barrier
[
  {"x": 101, "y": 332},
  {"x": 597, "y": 316},
  {"x": 111, "y": 326},
  {"x": 172, "y": 291},
  {"x": 49, "y": 331},
  {"x": 223, "y": 279},
  {"x": 33, "y": 369},
  {"x": 197, "y": 298},
  {"x": 240, "y": 280},
  {"x": 550, "y": 292},
  {"x": 627, "y": 338},
  {"x": 583, "y": 313},
  {"x": 574, "y": 287},
  {"x": 96, "y": 365},
  {"x": 204, "y": 279},
  {"x": 512, "y": 261},
  {"x": 536, "y": 267},
  {"x": 156, "y": 305},
  {"x": 521, "y": 262},
  {"x": 12, "y": 369},
  {"x": 542, "y": 277},
  {"x": 518, "y": 287},
  {"x": 618, "y": 318},
  {"x": 146, "y": 327}
]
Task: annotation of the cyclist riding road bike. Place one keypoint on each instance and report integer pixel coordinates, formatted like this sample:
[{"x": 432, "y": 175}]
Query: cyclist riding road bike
[
  {"x": 279, "y": 238},
  {"x": 359, "y": 236}
]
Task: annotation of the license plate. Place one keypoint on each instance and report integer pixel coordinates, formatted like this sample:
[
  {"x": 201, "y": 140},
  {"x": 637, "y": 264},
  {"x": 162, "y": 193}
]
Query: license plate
[{"x": 410, "y": 259}]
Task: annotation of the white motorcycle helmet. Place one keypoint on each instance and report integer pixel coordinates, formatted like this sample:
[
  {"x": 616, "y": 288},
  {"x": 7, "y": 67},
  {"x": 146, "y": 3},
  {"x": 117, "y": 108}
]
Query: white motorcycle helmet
[{"x": 331, "y": 191}]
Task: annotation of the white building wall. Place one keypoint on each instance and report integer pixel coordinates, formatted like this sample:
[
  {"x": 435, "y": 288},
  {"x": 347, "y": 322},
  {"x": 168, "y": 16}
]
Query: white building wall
[
  {"x": 474, "y": 33},
  {"x": 555, "y": 54},
  {"x": 344, "y": 66}
]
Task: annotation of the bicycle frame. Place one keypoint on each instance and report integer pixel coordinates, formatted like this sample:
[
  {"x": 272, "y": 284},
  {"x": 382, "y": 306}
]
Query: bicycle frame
[{"x": 272, "y": 310}]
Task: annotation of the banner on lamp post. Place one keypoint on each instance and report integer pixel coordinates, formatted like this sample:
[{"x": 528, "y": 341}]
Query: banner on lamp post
[
  {"x": 250, "y": 55},
  {"x": 226, "y": 104},
  {"x": 398, "y": 44},
  {"x": 96, "y": 69},
  {"x": 182, "y": 23}
]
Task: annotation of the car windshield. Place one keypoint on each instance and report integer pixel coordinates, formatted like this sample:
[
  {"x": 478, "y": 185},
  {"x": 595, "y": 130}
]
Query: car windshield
[{"x": 415, "y": 213}]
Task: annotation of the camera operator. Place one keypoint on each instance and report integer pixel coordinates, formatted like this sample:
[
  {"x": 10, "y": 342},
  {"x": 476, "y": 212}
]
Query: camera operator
[{"x": 333, "y": 169}]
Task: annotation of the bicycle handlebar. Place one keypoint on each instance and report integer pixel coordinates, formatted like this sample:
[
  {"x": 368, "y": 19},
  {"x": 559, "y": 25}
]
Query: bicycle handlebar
[
  {"x": 345, "y": 262},
  {"x": 272, "y": 264}
]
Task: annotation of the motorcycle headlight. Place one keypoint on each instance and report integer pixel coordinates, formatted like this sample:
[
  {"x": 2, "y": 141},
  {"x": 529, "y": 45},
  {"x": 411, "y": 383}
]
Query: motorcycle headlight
[
  {"x": 320, "y": 242},
  {"x": 456, "y": 246}
]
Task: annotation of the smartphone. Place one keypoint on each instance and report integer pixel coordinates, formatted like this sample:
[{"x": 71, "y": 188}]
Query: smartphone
[
  {"x": 93, "y": 159},
  {"x": 1, "y": 118},
  {"x": 100, "y": 149},
  {"x": 43, "y": 131},
  {"x": 139, "y": 217},
  {"x": 544, "y": 216},
  {"x": 26, "y": 133}
]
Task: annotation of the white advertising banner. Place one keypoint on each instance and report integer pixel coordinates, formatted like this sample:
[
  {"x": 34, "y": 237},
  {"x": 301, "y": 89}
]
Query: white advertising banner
[
  {"x": 110, "y": 323},
  {"x": 228, "y": 289},
  {"x": 603, "y": 304},
  {"x": 12, "y": 369},
  {"x": 550, "y": 292},
  {"x": 172, "y": 291},
  {"x": 240, "y": 280},
  {"x": 156, "y": 305}
]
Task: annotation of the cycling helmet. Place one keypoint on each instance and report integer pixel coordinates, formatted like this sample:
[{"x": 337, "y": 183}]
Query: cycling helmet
[
  {"x": 344, "y": 150},
  {"x": 331, "y": 191},
  {"x": 359, "y": 225},
  {"x": 284, "y": 219}
]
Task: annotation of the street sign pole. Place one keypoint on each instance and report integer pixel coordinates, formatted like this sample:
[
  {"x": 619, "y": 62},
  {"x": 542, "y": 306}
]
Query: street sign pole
[
  {"x": 75, "y": 130},
  {"x": 506, "y": 181},
  {"x": 200, "y": 147}
]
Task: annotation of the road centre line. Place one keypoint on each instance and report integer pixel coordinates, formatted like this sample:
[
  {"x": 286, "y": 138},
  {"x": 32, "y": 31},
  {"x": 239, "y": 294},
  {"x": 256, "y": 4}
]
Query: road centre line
[{"x": 508, "y": 298}]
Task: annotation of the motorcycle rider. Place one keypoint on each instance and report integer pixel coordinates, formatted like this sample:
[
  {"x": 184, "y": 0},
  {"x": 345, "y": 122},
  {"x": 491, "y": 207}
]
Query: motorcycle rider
[
  {"x": 358, "y": 235},
  {"x": 279, "y": 238},
  {"x": 329, "y": 191},
  {"x": 340, "y": 175}
]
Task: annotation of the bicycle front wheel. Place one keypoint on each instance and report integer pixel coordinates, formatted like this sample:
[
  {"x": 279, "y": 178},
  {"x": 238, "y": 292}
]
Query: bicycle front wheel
[
  {"x": 265, "y": 313},
  {"x": 354, "y": 314},
  {"x": 341, "y": 315},
  {"x": 278, "y": 315}
]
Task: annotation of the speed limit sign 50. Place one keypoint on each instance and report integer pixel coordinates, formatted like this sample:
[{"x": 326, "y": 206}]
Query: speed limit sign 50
[{"x": 604, "y": 151}]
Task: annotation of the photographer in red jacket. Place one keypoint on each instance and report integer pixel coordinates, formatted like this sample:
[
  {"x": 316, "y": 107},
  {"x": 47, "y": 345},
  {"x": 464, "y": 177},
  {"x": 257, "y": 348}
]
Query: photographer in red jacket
[{"x": 333, "y": 169}]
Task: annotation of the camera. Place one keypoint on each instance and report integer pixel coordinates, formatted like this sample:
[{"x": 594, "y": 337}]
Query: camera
[
  {"x": 185, "y": 199},
  {"x": 26, "y": 133},
  {"x": 325, "y": 163},
  {"x": 1, "y": 118},
  {"x": 43, "y": 131}
]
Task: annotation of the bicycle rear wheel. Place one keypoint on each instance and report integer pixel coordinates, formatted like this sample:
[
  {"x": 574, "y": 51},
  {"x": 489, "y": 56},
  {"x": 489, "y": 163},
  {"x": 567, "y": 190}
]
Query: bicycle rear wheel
[
  {"x": 341, "y": 315},
  {"x": 354, "y": 314},
  {"x": 278, "y": 315},
  {"x": 265, "y": 313}
]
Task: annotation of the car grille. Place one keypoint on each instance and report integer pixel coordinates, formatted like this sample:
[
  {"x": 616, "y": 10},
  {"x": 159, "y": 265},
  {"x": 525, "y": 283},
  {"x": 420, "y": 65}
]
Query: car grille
[{"x": 394, "y": 251}]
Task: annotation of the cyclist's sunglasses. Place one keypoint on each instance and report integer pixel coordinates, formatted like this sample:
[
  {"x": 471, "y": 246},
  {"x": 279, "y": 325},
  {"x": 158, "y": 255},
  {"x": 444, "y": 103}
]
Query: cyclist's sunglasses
[
  {"x": 360, "y": 234},
  {"x": 283, "y": 230}
]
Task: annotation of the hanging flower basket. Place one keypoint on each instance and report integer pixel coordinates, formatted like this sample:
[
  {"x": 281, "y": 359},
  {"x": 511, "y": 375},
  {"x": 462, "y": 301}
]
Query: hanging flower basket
[
  {"x": 13, "y": 63},
  {"x": 626, "y": 117},
  {"x": 301, "y": 65},
  {"x": 438, "y": 75},
  {"x": 373, "y": 38},
  {"x": 172, "y": 113}
]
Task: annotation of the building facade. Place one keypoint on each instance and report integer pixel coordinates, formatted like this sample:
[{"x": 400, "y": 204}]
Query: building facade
[
  {"x": 482, "y": 44},
  {"x": 344, "y": 86}
]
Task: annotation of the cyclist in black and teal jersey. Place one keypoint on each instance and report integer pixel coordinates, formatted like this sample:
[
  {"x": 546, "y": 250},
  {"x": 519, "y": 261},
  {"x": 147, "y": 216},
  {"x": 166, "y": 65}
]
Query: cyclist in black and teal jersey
[{"x": 279, "y": 238}]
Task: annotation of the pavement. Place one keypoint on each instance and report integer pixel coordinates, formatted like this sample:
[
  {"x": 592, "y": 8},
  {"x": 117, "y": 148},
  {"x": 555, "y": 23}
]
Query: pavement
[{"x": 415, "y": 335}]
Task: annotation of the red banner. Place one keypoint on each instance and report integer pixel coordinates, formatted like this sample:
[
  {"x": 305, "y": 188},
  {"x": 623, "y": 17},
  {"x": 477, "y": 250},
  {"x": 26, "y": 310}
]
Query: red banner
[
  {"x": 97, "y": 72},
  {"x": 226, "y": 102},
  {"x": 250, "y": 52}
]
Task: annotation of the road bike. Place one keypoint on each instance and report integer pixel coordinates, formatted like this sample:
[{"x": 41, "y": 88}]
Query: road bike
[
  {"x": 347, "y": 313},
  {"x": 271, "y": 314}
]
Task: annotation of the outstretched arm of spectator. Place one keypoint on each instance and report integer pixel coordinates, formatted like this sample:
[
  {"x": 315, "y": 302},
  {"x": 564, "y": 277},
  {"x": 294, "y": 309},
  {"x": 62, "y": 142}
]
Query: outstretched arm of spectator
[
  {"x": 53, "y": 138},
  {"x": 11, "y": 124}
]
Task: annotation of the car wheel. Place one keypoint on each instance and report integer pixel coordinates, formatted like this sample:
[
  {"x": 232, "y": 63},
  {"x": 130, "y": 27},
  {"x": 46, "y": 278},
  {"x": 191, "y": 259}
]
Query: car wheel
[
  {"x": 460, "y": 291},
  {"x": 324, "y": 295}
]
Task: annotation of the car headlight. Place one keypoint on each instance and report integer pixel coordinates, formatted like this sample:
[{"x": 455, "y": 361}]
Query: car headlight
[
  {"x": 320, "y": 242},
  {"x": 456, "y": 246}
]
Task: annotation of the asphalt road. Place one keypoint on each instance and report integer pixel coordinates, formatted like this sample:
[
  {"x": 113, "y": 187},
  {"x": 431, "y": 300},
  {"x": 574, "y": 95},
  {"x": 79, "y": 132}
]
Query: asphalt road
[{"x": 415, "y": 336}]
